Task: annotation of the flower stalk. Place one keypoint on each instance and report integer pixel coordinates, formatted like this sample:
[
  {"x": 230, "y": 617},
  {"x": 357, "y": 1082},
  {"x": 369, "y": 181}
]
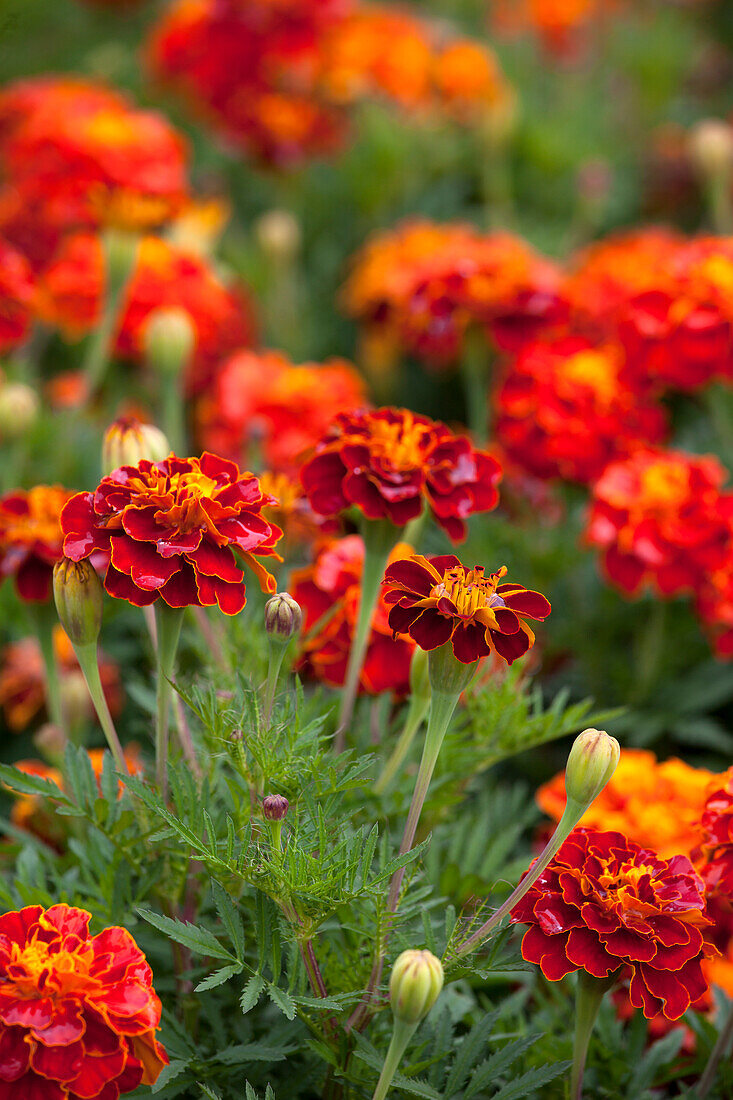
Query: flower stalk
[
  {"x": 401, "y": 1036},
  {"x": 88, "y": 660},
  {"x": 417, "y": 710},
  {"x": 589, "y": 993},
  {"x": 169, "y": 621},
  {"x": 120, "y": 250}
]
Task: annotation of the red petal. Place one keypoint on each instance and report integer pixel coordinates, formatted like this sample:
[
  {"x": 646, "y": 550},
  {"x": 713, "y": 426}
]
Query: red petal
[{"x": 123, "y": 587}]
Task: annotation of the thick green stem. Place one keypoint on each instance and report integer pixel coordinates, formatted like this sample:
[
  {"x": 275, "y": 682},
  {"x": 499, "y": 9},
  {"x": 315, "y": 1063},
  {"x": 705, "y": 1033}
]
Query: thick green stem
[
  {"x": 475, "y": 373},
  {"x": 380, "y": 537},
  {"x": 172, "y": 413},
  {"x": 398, "y": 1045},
  {"x": 169, "y": 621},
  {"x": 588, "y": 996},
  {"x": 44, "y": 620},
  {"x": 276, "y": 654},
  {"x": 418, "y": 708},
  {"x": 120, "y": 253},
  {"x": 86, "y": 655},
  {"x": 720, "y": 207}
]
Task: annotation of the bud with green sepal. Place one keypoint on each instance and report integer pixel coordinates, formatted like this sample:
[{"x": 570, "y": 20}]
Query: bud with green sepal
[
  {"x": 283, "y": 620},
  {"x": 169, "y": 341},
  {"x": 414, "y": 987},
  {"x": 127, "y": 441}
]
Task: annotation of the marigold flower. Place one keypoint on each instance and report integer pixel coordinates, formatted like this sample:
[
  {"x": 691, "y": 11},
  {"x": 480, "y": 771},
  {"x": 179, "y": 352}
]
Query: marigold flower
[
  {"x": 31, "y": 537},
  {"x": 656, "y": 804},
  {"x": 559, "y": 24},
  {"x": 714, "y": 605},
  {"x": 716, "y": 840},
  {"x": 436, "y": 600},
  {"x": 171, "y": 529},
  {"x": 292, "y": 512},
  {"x": 71, "y": 292},
  {"x": 426, "y": 284},
  {"x": 329, "y": 592},
  {"x": 78, "y": 1013},
  {"x": 390, "y": 462},
  {"x": 17, "y": 296},
  {"x": 262, "y": 400},
  {"x": 607, "y": 906},
  {"x": 565, "y": 409},
  {"x": 661, "y": 520}
]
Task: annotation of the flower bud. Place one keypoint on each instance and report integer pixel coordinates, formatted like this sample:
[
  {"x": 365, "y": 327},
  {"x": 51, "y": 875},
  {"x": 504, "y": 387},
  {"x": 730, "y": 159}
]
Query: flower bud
[
  {"x": 121, "y": 250},
  {"x": 711, "y": 147},
  {"x": 278, "y": 235},
  {"x": 283, "y": 617},
  {"x": 592, "y": 761},
  {"x": 18, "y": 410},
  {"x": 51, "y": 741},
  {"x": 78, "y": 593},
  {"x": 275, "y": 807},
  {"x": 127, "y": 441},
  {"x": 169, "y": 339},
  {"x": 415, "y": 984}
]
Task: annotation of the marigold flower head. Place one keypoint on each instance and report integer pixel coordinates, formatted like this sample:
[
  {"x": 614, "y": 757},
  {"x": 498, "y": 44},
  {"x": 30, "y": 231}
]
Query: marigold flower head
[
  {"x": 436, "y": 600},
  {"x": 17, "y": 296},
  {"x": 261, "y": 401},
  {"x": 165, "y": 277},
  {"x": 329, "y": 592},
  {"x": 391, "y": 462},
  {"x": 656, "y": 804},
  {"x": 607, "y": 906},
  {"x": 171, "y": 530},
  {"x": 661, "y": 520},
  {"x": 427, "y": 284},
  {"x": 714, "y": 606},
  {"x": 716, "y": 840},
  {"x": 78, "y": 1013},
  {"x": 31, "y": 537},
  {"x": 566, "y": 409}
]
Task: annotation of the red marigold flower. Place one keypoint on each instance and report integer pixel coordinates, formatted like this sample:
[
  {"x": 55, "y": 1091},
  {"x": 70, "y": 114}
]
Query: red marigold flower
[
  {"x": 71, "y": 292},
  {"x": 78, "y": 1013},
  {"x": 426, "y": 284},
  {"x": 31, "y": 537},
  {"x": 436, "y": 600},
  {"x": 716, "y": 840},
  {"x": 17, "y": 296},
  {"x": 607, "y": 906},
  {"x": 390, "y": 462},
  {"x": 262, "y": 400},
  {"x": 329, "y": 592},
  {"x": 714, "y": 605},
  {"x": 661, "y": 520},
  {"x": 171, "y": 530},
  {"x": 292, "y": 512},
  {"x": 565, "y": 409}
]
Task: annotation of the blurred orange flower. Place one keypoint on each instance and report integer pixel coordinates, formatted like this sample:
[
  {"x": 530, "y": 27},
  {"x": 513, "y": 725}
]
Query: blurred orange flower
[{"x": 30, "y": 538}]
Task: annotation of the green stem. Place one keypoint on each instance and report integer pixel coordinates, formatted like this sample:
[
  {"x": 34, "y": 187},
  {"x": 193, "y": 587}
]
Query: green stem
[
  {"x": 722, "y": 1045},
  {"x": 720, "y": 208},
  {"x": 120, "y": 253},
  {"x": 277, "y": 652},
  {"x": 380, "y": 537},
  {"x": 86, "y": 655},
  {"x": 418, "y": 708},
  {"x": 588, "y": 996},
  {"x": 475, "y": 374},
  {"x": 169, "y": 621},
  {"x": 401, "y": 1036},
  {"x": 172, "y": 414},
  {"x": 44, "y": 620},
  {"x": 650, "y": 652}
]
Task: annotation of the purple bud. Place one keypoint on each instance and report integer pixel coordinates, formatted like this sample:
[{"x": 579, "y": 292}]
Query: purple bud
[{"x": 274, "y": 807}]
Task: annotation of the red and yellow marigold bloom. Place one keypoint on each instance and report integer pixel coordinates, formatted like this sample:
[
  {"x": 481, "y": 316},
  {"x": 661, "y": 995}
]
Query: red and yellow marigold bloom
[
  {"x": 437, "y": 600},
  {"x": 656, "y": 804},
  {"x": 661, "y": 520},
  {"x": 424, "y": 285},
  {"x": 175, "y": 530},
  {"x": 71, "y": 293},
  {"x": 607, "y": 906},
  {"x": 17, "y": 296},
  {"x": 391, "y": 463},
  {"x": 31, "y": 538},
  {"x": 261, "y": 401},
  {"x": 565, "y": 409},
  {"x": 329, "y": 593},
  {"x": 78, "y": 1013}
]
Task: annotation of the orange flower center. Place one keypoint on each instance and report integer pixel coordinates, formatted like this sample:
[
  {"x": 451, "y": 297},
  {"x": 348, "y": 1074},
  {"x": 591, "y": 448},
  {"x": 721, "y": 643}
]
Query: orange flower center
[
  {"x": 41, "y": 523},
  {"x": 184, "y": 500},
  {"x": 469, "y": 590},
  {"x": 663, "y": 487},
  {"x": 594, "y": 369},
  {"x": 38, "y": 968},
  {"x": 400, "y": 443}
]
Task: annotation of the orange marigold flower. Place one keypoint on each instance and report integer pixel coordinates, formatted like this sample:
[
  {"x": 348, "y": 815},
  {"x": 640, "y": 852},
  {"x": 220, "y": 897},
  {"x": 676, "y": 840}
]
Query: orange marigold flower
[
  {"x": 426, "y": 284},
  {"x": 171, "y": 530},
  {"x": 436, "y": 600},
  {"x": 23, "y": 680},
  {"x": 565, "y": 409},
  {"x": 78, "y": 1013},
  {"x": 17, "y": 296},
  {"x": 657, "y": 804},
  {"x": 329, "y": 592},
  {"x": 30, "y": 538},
  {"x": 470, "y": 83},
  {"x": 71, "y": 293},
  {"x": 560, "y": 24},
  {"x": 391, "y": 462},
  {"x": 661, "y": 519},
  {"x": 261, "y": 401},
  {"x": 610, "y": 907}
]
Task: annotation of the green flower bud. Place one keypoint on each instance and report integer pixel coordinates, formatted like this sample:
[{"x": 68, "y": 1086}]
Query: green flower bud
[
  {"x": 710, "y": 146},
  {"x": 415, "y": 985},
  {"x": 78, "y": 593},
  {"x": 283, "y": 617},
  {"x": 127, "y": 441},
  {"x": 169, "y": 339},
  {"x": 592, "y": 761},
  {"x": 278, "y": 235},
  {"x": 18, "y": 410}
]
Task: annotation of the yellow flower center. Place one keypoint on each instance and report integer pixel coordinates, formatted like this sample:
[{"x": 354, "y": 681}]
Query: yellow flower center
[
  {"x": 663, "y": 487},
  {"x": 470, "y": 589},
  {"x": 40, "y": 969},
  {"x": 595, "y": 369},
  {"x": 399, "y": 443}
]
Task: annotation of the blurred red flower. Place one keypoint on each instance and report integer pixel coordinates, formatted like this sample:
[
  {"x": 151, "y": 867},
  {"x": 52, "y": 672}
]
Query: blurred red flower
[
  {"x": 391, "y": 462},
  {"x": 329, "y": 592},
  {"x": 31, "y": 537},
  {"x": 171, "y": 529},
  {"x": 607, "y": 906},
  {"x": 716, "y": 840},
  {"x": 17, "y": 296},
  {"x": 436, "y": 600},
  {"x": 78, "y": 1013}
]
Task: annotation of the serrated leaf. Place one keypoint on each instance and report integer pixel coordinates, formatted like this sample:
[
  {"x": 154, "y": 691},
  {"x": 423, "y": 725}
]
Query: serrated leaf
[
  {"x": 192, "y": 936},
  {"x": 253, "y": 1052},
  {"x": 230, "y": 918},
  {"x": 251, "y": 993},
  {"x": 30, "y": 784},
  {"x": 168, "y": 1073},
  {"x": 533, "y": 1079},
  {"x": 283, "y": 1000},
  {"x": 218, "y": 977}
]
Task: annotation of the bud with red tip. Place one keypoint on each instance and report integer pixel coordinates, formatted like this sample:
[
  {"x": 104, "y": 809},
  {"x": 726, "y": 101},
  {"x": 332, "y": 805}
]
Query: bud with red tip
[
  {"x": 127, "y": 441},
  {"x": 283, "y": 617},
  {"x": 275, "y": 807}
]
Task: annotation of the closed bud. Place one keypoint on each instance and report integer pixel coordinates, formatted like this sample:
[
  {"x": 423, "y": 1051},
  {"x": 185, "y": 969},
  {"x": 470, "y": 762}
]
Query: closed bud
[
  {"x": 78, "y": 593},
  {"x": 283, "y": 617},
  {"x": 278, "y": 235},
  {"x": 711, "y": 147},
  {"x": 415, "y": 985},
  {"x": 51, "y": 742},
  {"x": 121, "y": 249},
  {"x": 592, "y": 761},
  {"x": 169, "y": 339},
  {"x": 18, "y": 410},
  {"x": 128, "y": 440},
  {"x": 275, "y": 807}
]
